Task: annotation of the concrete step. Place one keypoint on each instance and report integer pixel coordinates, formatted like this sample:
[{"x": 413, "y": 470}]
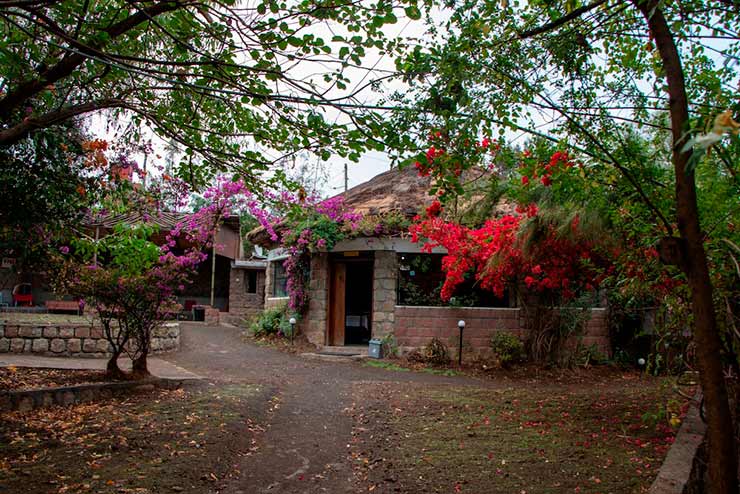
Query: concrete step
[
  {"x": 338, "y": 353},
  {"x": 349, "y": 350},
  {"x": 334, "y": 357}
]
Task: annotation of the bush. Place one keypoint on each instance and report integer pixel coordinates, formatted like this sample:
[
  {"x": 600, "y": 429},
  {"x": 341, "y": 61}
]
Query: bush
[
  {"x": 390, "y": 345},
  {"x": 507, "y": 348},
  {"x": 273, "y": 321},
  {"x": 436, "y": 353}
]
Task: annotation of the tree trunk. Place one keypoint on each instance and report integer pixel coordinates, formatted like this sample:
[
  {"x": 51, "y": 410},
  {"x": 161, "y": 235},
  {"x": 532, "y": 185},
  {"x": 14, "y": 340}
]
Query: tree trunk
[
  {"x": 112, "y": 370},
  {"x": 722, "y": 454},
  {"x": 139, "y": 366}
]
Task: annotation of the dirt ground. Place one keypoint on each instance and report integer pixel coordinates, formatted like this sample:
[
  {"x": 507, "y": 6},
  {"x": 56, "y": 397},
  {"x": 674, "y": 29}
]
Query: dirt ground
[
  {"x": 264, "y": 421},
  {"x": 17, "y": 378},
  {"x": 186, "y": 440},
  {"x": 541, "y": 437}
]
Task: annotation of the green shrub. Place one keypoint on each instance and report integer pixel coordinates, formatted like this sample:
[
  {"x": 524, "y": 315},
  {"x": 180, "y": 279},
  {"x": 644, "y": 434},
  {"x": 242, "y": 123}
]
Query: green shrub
[
  {"x": 275, "y": 321},
  {"x": 507, "y": 348}
]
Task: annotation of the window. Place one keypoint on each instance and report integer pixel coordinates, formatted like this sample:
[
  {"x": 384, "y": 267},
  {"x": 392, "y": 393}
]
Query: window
[
  {"x": 279, "y": 280},
  {"x": 250, "y": 282},
  {"x": 420, "y": 283}
]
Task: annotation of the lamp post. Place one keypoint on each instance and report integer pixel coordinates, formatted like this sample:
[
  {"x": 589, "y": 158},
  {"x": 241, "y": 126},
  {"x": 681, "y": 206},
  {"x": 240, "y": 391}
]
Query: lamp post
[
  {"x": 461, "y": 325},
  {"x": 292, "y": 322}
]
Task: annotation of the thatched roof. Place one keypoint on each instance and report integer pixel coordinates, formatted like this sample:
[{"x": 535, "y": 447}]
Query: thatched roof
[
  {"x": 392, "y": 191},
  {"x": 397, "y": 190}
]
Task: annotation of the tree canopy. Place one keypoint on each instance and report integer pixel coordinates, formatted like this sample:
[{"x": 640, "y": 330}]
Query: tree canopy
[
  {"x": 626, "y": 85},
  {"x": 238, "y": 85}
]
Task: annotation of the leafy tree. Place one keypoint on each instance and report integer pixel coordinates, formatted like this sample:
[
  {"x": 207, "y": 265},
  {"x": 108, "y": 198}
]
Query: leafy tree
[
  {"x": 130, "y": 280},
  {"x": 226, "y": 80},
  {"x": 132, "y": 291},
  {"x": 590, "y": 77}
]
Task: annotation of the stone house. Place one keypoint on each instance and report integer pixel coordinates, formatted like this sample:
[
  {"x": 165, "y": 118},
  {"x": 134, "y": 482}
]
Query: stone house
[{"x": 360, "y": 289}]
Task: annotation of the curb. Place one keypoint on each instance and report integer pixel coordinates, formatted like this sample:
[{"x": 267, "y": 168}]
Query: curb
[
  {"x": 26, "y": 400},
  {"x": 675, "y": 473}
]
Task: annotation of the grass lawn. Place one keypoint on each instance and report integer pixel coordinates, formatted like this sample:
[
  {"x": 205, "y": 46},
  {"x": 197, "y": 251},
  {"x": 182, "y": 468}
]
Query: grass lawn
[
  {"x": 160, "y": 441},
  {"x": 536, "y": 437}
]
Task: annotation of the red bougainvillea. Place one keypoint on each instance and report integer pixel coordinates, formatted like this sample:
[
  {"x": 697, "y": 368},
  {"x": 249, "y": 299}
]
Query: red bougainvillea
[
  {"x": 533, "y": 170},
  {"x": 496, "y": 256}
]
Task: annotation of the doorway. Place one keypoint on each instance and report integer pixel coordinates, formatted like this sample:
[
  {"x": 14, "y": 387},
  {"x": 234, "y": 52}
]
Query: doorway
[{"x": 350, "y": 299}]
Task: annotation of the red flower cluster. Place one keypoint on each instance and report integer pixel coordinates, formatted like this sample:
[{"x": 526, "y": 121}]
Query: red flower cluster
[
  {"x": 559, "y": 161},
  {"x": 431, "y": 154},
  {"x": 434, "y": 209},
  {"x": 494, "y": 255}
]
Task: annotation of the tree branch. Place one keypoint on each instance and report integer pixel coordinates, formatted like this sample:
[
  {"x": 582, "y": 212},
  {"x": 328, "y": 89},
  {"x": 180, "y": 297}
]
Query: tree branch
[
  {"x": 17, "y": 132},
  {"x": 69, "y": 63},
  {"x": 561, "y": 20}
]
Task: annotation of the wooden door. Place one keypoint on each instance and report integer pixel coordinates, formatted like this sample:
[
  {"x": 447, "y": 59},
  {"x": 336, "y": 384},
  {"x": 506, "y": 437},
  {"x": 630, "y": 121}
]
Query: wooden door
[{"x": 336, "y": 304}]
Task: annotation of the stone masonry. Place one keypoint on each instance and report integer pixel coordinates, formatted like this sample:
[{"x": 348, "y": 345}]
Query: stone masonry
[
  {"x": 244, "y": 306},
  {"x": 63, "y": 340},
  {"x": 314, "y": 322},
  {"x": 385, "y": 273}
]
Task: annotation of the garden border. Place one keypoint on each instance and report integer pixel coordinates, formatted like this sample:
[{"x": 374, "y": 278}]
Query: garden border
[
  {"x": 675, "y": 474},
  {"x": 31, "y": 399}
]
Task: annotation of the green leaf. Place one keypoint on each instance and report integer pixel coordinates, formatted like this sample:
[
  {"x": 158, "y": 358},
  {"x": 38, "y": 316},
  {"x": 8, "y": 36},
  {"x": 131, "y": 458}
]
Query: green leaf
[{"x": 413, "y": 12}]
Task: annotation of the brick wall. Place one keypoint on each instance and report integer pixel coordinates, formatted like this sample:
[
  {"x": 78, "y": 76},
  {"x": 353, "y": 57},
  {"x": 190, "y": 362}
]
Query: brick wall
[
  {"x": 416, "y": 326},
  {"x": 63, "y": 340}
]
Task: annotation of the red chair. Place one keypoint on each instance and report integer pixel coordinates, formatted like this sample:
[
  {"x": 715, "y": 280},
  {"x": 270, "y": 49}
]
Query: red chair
[{"x": 23, "y": 295}]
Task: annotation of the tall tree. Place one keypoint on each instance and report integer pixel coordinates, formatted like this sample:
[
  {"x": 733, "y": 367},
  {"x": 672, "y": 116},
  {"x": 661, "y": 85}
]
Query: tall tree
[
  {"x": 586, "y": 75},
  {"x": 239, "y": 84}
]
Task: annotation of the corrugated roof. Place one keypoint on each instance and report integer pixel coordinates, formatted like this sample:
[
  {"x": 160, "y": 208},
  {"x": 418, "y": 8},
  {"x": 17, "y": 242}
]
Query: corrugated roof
[{"x": 165, "y": 220}]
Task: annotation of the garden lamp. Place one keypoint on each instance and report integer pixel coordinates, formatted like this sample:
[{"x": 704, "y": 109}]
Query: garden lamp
[
  {"x": 461, "y": 325},
  {"x": 292, "y": 322}
]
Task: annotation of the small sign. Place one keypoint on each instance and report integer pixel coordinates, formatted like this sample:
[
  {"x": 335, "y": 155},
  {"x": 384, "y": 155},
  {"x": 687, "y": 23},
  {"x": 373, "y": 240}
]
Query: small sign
[
  {"x": 8, "y": 262},
  {"x": 352, "y": 253}
]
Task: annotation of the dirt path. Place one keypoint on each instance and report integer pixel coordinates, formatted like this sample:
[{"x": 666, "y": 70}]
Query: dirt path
[{"x": 305, "y": 446}]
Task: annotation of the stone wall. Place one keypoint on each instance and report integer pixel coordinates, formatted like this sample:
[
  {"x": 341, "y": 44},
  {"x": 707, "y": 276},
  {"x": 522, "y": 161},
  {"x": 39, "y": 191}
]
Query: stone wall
[
  {"x": 385, "y": 274},
  {"x": 416, "y": 326},
  {"x": 244, "y": 306},
  {"x": 314, "y": 322},
  {"x": 63, "y": 340}
]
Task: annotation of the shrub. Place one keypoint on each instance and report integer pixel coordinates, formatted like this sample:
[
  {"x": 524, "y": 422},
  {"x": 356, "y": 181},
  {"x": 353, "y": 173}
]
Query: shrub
[
  {"x": 436, "y": 352},
  {"x": 507, "y": 348},
  {"x": 273, "y": 321},
  {"x": 390, "y": 345}
]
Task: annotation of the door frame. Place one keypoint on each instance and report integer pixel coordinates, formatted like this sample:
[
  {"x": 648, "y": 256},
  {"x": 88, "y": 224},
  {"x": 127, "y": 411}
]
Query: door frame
[{"x": 336, "y": 307}]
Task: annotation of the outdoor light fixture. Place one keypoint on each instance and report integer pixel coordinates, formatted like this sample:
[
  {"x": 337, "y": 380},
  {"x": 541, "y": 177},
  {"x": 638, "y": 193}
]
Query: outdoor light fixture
[
  {"x": 292, "y": 322},
  {"x": 461, "y": 325}
]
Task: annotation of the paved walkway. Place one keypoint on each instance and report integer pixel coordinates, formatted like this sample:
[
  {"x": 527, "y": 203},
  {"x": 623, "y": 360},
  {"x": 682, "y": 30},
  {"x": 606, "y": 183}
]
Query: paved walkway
[
  {"x": 157, "y": 367},
  {"x": 305, "y": 447}
]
